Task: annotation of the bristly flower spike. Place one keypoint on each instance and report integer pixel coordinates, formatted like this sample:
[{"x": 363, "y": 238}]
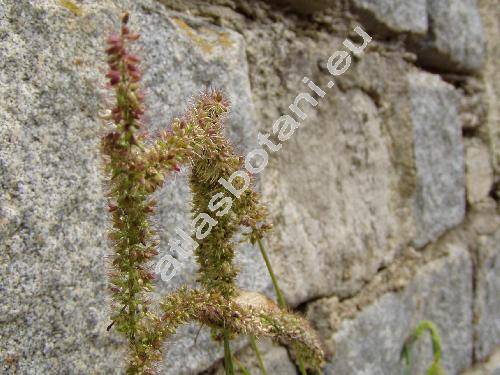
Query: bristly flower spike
[{"x": 136, "y": 170}]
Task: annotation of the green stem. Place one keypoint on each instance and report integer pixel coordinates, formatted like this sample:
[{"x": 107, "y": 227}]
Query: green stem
[
  {"x": 228, "y": 358},
  {"x": 302, "y": 368},
  {"x": 255, "y": 348},
  {"x": 281, "y": 300},
  {"x": 422, "y": 327},
  {"x": 242, "y": 367}
]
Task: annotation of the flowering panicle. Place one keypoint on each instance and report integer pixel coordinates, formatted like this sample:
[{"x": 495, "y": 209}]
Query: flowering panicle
[
  {"x": 248, "y": 314},
  {"x": 129, "y": 203},
  {"x": 136, "y": 167},
  {"x": 215, "y": 253}
]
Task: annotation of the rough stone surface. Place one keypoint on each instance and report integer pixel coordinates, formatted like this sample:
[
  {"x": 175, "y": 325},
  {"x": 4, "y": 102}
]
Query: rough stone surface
[
  {"x": 305, "y": 6},
  {"x": 490, "y": 13},
  {"x": 370, "y": 341},
  {"x": 377, "y": 166},
  {"x": 337, "y": 250},
  {"x": 490, "y": 367},
  {"x": 395, "y": 16},
  {"x": 324, "y": 243},
  {"x": 53, "y": 223},
  {"x": 440, "y": 201},
  {"x": 455, "y": 41},
  {"x": 275, "y": 358},
  {"x": 474, "y": 104},
  {"x": 487, "y": 301},
  {"x": 479, "y": 173}
]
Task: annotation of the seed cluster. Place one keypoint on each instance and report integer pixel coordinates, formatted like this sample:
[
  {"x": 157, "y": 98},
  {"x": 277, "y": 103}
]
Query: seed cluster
[{"x": 136, "y": 166}]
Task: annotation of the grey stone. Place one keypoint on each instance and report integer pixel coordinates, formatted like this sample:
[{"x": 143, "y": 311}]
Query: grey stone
[
  {"x": 395, "y": 16},
  {"x": 329, "y": 235},
  {"x": 370, "y": 340},
  {"x": 455, "y": 41},
  {"x": 53, "y": 279},
  {"x": 479, "y": 173},
  {"x": 439, "y": 156},
  {"x": 483, "y": 218},
  {"x": 487, "y": 301},
  {"x": 340, "y": 190},
  {"x": 341, "y": 193},
  {"x": 490, "y": 14},
  {"x": 274, "y": 357},
  {"x": 474, "y": 105},
  {"x": 490, "y": 366},
  {"x": 305, "y": 6}
]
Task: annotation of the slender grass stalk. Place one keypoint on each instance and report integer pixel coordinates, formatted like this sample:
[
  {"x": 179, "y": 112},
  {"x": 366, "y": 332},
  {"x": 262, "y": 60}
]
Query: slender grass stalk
[
  {"x": 302, "y": 368},
  {"x": 242, "y": 367},
  {"x": 281, "y": 299},
  {"x": 424, "y": 325},
  {"x": 228, "y": 358},
  {"x": 255, "y": 348}
]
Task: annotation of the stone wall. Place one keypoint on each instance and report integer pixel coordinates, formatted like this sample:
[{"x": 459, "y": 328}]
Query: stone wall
[{"x": 384, "y": 201}]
